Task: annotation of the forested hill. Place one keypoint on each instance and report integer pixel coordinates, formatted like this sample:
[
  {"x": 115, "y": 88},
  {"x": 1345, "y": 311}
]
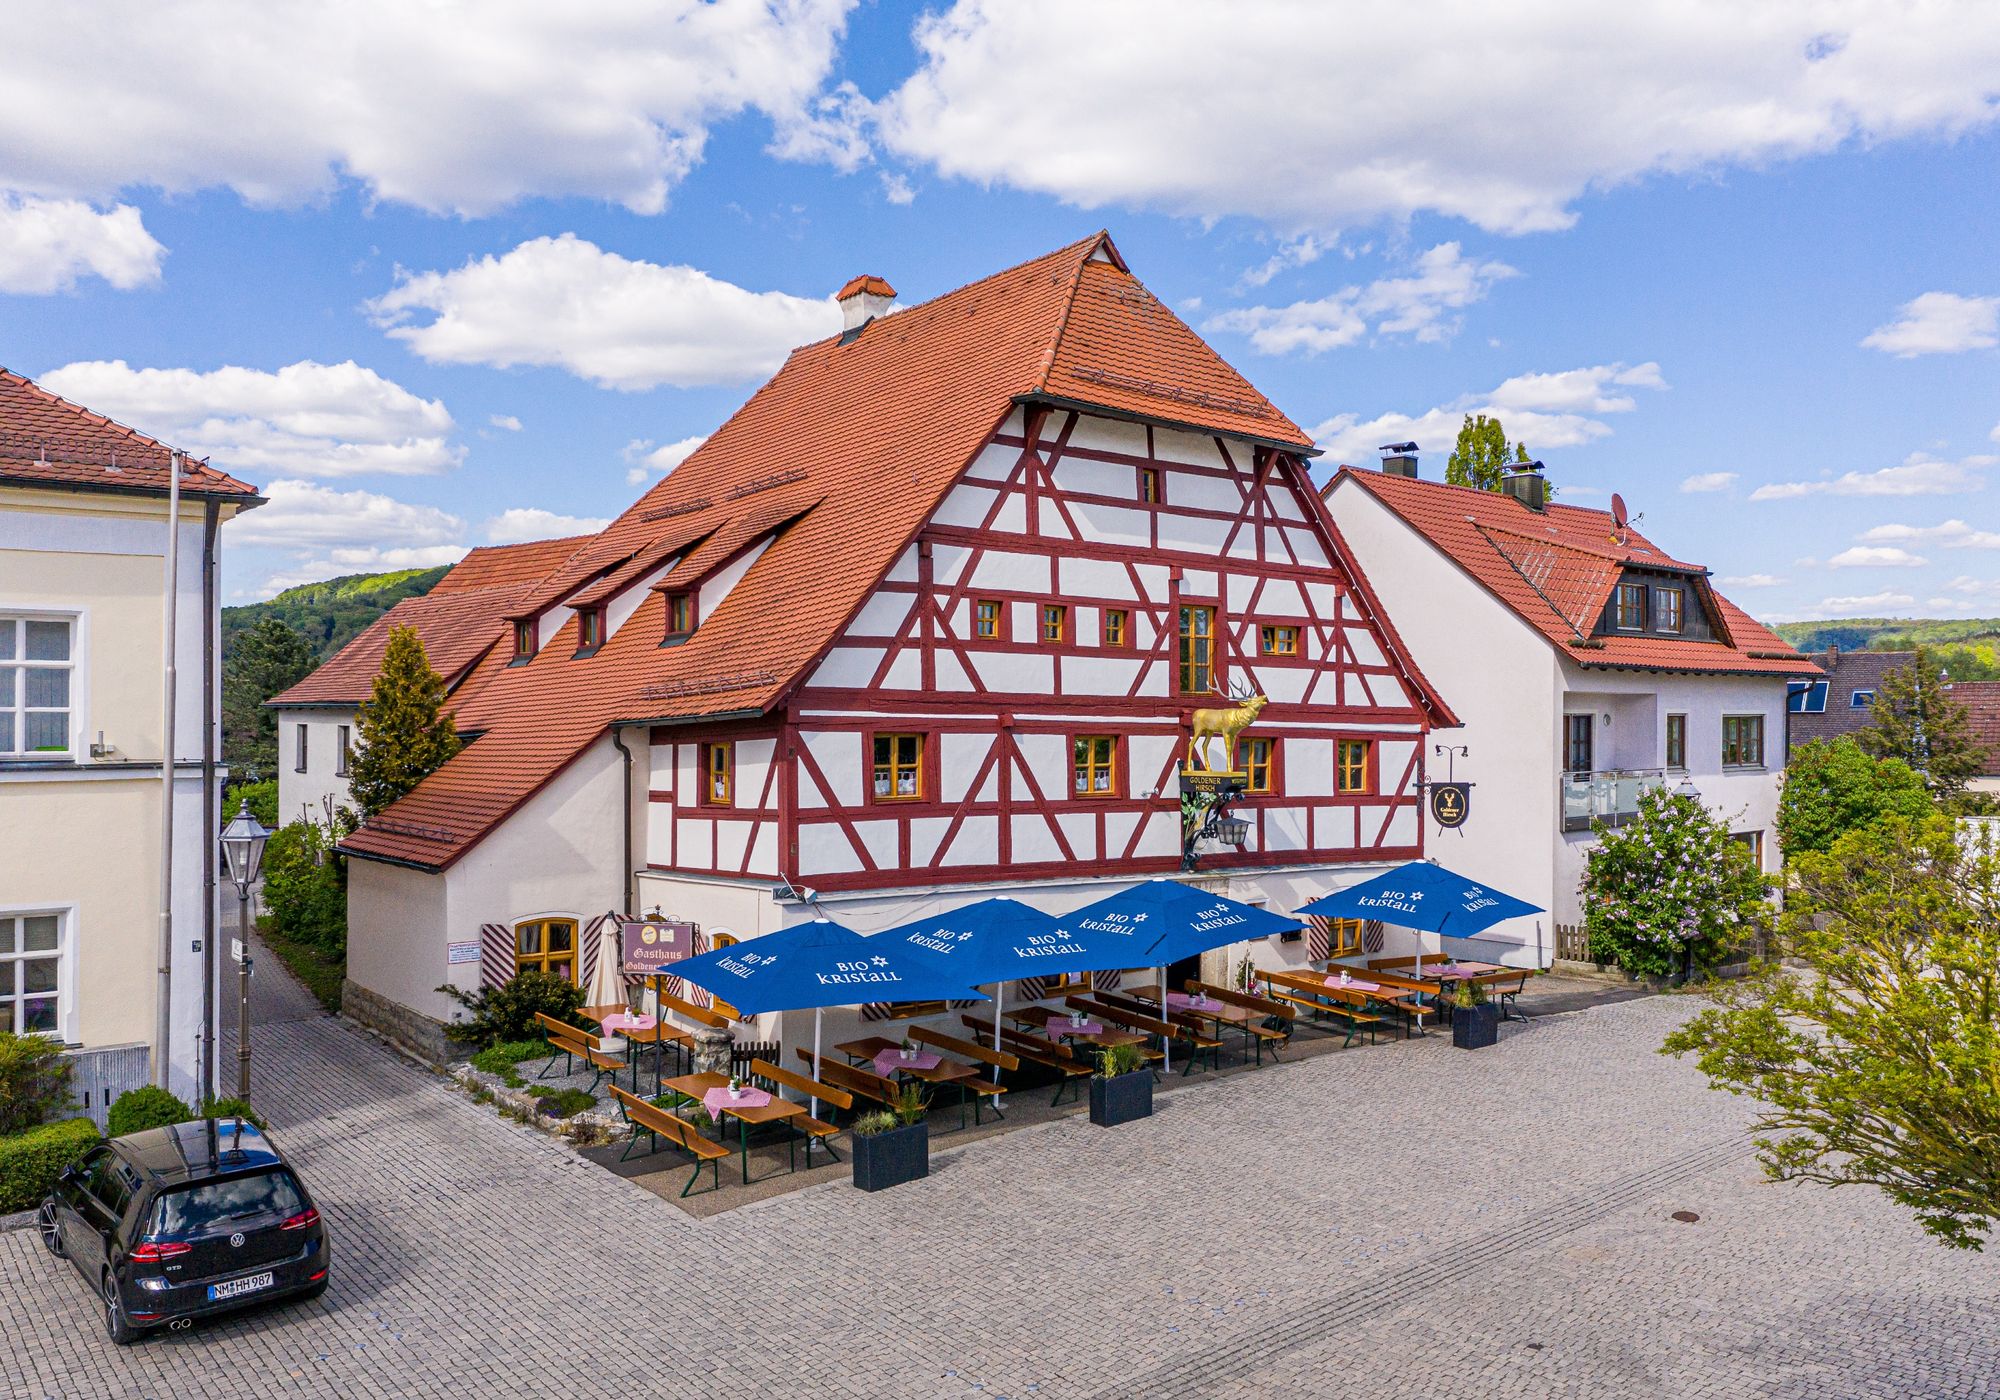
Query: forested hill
[
  {"x": 332, "y": 613},
  {"x": 1969, "y": 647}
]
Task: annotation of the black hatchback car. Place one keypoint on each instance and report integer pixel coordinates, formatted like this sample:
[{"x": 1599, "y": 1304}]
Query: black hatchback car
[{"x": 175, "y": 1223}]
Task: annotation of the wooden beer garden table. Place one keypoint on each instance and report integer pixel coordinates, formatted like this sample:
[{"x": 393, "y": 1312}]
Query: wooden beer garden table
[{"x": 757, "y": 1107}]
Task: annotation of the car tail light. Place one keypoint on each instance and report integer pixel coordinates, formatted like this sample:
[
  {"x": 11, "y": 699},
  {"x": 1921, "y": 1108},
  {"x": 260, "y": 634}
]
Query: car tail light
[
  {"x": 315, "y": 1278},
  {"x": 303, "y": 1220},
  {"x": 153, "y": 1251}
]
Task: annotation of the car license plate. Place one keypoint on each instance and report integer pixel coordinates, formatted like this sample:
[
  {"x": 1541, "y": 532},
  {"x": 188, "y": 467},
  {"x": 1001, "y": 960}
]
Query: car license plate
[{"x": 236, "y": 1287}]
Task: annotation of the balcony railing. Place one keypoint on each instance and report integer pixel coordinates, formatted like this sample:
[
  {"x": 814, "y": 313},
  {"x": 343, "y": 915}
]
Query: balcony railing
[{"x": 1609, "y": 795}]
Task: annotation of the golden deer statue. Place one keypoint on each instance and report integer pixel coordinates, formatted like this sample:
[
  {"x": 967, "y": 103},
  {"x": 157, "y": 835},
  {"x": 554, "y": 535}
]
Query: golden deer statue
[{"x": 1226, "y": 725}]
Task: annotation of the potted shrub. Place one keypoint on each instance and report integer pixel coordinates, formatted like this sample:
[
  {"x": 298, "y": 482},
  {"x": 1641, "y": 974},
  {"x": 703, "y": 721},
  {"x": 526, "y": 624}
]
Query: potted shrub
[
  {"x": 1475, "y": 1020},
  {"x": 893, "y": 1146},
  {"x": 1122, "y": 1089}
]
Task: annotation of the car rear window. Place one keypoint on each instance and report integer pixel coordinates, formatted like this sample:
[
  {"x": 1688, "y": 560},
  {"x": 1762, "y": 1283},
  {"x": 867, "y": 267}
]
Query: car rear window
[{"x": 213, "y": 1205}]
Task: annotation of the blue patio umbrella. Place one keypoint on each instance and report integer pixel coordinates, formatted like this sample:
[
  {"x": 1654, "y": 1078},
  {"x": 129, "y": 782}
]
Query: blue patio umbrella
[
  {"x": 1424, "y": 897},
  {"x": 1001, "y": 940},
  {"x": 813, "y": 966},
  {"x": 1167, "y": 921}
]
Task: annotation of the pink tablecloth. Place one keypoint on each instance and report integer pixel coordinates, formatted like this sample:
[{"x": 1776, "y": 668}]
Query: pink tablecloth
[
  {"x": 717, "y": 1099},
  {"x": 1181, "y": 1001},
  {"x": 1062, "y": 1026},
  {"x": 889, "y": 1061},
  {"x": 625, "y": 1021},
  {"x": 1355, "y": 984}
]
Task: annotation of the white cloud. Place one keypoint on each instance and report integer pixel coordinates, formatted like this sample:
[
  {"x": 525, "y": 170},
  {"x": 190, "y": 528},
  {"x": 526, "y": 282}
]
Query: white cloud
[
  {"x": 1939, "y": 323},
  {"x": 306, "y": 516},
  {"x": 442, "y": 106},
  {"x": 1297, "y": 252},
  {"x": 1919, "y": 475},
  {"x": 897, "y": 189},
  {"x": 1702, "y": 482},
  {"x": 1543, "y": 410},
  {"x": 648, "y": 459},
  {"x": 1754, "y": 581},
  {"x": 1969, "y": 587},
  {"x": 1384, "y": 116},
  {"x": 307, "y": 419},
  {"x": 47, "y": 244},
  {"x": 1862, "y": 556},
  {"x": 1866, "y": 602},
  {"x": 521, "y": 524},
  {"x": 1953, "y": 534},
  {"x": 616, "y": 322},
  {"x": 506, "y": 422},
  {"x": 1415, "y": 306}
]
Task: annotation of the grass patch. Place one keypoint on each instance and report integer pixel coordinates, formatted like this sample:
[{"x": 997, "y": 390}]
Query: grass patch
[
  {"x": 500, "y": 1059},
  {"x": 561, "y": 1103},
  {"x": 321, "y": 972}
]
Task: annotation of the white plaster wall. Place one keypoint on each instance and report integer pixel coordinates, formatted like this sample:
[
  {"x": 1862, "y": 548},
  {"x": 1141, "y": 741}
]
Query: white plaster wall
[{"x": 305, "y": 792}]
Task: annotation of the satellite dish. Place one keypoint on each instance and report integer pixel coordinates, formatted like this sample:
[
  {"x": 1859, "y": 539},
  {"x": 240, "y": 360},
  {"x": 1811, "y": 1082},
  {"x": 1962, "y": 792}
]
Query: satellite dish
[{"x": 1618, "y": 515}]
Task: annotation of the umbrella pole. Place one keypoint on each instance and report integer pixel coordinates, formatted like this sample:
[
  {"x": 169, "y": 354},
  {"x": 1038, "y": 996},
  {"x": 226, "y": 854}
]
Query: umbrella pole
[
  {"x": 817, "y": 1014},
  {"x": 1167, "y": 1040},
  {"x": 999, "y": 1003}
]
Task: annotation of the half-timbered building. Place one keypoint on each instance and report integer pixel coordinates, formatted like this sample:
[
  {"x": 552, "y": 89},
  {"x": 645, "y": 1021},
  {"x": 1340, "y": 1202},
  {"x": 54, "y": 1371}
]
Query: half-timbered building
[{"x": 927, "y": 619}]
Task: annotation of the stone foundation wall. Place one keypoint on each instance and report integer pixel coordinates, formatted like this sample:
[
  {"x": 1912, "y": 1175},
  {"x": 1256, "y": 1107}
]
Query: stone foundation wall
[{"x": 428, "y": 1039}]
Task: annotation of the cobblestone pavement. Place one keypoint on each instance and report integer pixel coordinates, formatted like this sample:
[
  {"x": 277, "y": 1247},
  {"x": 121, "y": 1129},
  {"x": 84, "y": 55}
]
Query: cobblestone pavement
[{"x": 1405, "y": 1220}]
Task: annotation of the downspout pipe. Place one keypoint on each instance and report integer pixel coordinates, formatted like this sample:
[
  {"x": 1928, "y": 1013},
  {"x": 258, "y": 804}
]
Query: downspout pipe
[
  {"x": 629, "y": 896},
  {"x": 211, "y": 722},
  {"x": 163, "y": 990}
]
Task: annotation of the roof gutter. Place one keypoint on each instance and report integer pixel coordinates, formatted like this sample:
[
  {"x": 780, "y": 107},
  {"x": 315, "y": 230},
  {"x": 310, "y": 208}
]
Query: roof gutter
[{"x": 242, "y": 500}]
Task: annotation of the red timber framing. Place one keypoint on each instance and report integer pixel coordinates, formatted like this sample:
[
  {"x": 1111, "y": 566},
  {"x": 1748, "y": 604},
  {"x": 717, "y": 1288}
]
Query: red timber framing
[{"x": 1053, "y": 511}]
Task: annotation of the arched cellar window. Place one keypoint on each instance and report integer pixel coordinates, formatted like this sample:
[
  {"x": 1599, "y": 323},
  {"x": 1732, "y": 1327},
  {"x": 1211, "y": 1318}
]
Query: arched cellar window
[{"x": 546, "y": 945}]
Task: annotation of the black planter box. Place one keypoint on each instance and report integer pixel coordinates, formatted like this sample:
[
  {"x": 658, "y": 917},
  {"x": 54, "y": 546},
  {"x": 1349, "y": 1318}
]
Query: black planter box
[
  {"x": 882, "y": 1160},
  {"x": 1475, "y": 1026},
  {"x": 1121, "y": 1098}
]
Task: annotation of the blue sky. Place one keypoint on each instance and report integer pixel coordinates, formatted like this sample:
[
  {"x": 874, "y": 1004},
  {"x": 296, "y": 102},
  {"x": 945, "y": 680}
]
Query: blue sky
[{"x": 439, "y": 277}]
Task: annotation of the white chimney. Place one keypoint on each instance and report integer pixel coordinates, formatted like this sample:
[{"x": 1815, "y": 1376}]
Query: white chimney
[{"x": 862, "y": 300}]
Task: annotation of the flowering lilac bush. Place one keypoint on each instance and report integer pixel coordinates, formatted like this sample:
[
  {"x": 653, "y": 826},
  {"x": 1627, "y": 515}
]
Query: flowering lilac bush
[{"x": 1669, "y": 883}]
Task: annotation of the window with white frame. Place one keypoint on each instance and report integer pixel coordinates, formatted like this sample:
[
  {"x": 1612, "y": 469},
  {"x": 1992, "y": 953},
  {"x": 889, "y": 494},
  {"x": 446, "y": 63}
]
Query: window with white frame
[
  {"x": 31, "y": 956},
  {"x": 37, "y": 685}
]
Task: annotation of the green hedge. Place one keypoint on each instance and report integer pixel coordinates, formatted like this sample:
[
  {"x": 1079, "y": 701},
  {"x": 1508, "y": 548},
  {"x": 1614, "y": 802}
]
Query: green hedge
[
  {"x": 30, "y": 1162},
  {"x": 136, "y": 1110}
]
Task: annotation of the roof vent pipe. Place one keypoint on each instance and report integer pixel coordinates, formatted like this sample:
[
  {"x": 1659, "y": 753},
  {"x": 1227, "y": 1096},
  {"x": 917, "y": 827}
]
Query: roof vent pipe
[
  {"x": 1525, "y": 483},
  {"x": 1399, "y": 458},
  {"x": 861, "y": 301}
]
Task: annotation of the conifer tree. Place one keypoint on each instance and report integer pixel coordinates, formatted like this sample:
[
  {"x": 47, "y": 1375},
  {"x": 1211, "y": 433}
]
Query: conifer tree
[
  {"x": 403, "y": 734},
  {"x": 1916, "y": 720},
  {"x": 1481, "y": 457}
]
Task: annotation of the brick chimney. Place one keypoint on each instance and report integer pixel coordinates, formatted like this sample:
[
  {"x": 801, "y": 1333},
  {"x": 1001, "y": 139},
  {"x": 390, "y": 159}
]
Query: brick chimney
[{"x": 861, "y": 301}]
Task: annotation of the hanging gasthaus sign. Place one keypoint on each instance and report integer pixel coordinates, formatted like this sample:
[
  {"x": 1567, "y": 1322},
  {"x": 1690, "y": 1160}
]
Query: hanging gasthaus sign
[{"x": 647, "y": 947}]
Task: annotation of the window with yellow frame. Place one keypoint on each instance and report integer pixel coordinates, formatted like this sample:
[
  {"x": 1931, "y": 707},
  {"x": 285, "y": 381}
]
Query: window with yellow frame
[
  {"x": 1197, "y": 670},
  {"x": 899, "y": 766},
  {"x": 1094, "y": 765},
  {"x": 1354, "y": 765},
  {"x": 1260, "y": 764},
  {"x": 1343, "y": 937},
  {"x": 1278, "y": 641},
  {"x": 716, "y": 1003},
  {"x": 986, "y": 616},
  {"x": 1116, "y": 621},
  {"x": 1055, "y": 622},
  {"x": 718, "y": 774},
  {"x": 546, "y": 945}
]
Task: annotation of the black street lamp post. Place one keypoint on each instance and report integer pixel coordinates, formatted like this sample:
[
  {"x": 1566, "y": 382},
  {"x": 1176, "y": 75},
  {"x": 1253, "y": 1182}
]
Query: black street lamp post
[{"x": 242, "y": 855}]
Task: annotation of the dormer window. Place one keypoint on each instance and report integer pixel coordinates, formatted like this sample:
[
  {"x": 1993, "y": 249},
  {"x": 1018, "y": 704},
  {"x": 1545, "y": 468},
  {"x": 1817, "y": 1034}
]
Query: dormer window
[
  {"x": 1667, "y": 604},
  {"x": 680, "y": 616},
  {"x": 1631, "y": 607},
  {"x": 524, "y": 639},
  {"x": 589, "y": 631}
]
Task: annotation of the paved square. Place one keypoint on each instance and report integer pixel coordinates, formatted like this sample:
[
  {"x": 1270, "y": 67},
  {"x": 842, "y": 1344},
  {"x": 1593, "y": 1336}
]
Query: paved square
[{"x": 1398, "y": 1220}]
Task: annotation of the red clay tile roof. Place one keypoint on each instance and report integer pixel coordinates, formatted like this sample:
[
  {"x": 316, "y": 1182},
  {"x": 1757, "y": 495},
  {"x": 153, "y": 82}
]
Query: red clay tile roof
[
  {"x": 862, "y": 434},
  {"x": 1982, "y": 704},
  {"x": 873, "y": 286},
  {"x": 462, "y": 616},
  {"x": 1557, "y": 568},
  {"x": 47, "y": 440}
]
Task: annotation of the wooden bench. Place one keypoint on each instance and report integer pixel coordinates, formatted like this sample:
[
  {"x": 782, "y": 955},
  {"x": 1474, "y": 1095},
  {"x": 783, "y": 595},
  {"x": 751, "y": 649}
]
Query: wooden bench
[
  {"x": 1179, "y": 1025},
  {"x": 574, "y": 1044},
  {"x": 687, "y": 1010},
  {"x": 1312, "y": 994},
  {"x": 656, "y": 1123},
  {"x": 986, "y": 1090},
  {"x": 1390, "y": 964},
  {"x": 1045, "y": 1053},
  {"x": 816, "y": 1131},
  {"x": 858, "y": 1082},
  {"x": 1263, "y": 1035}
]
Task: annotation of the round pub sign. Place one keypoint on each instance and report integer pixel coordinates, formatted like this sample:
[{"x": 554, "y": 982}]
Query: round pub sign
[{"x": 1450, "y": 802}]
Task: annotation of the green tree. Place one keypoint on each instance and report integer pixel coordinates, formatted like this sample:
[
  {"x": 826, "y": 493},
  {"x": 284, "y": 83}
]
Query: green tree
[
  {"x": 305, "y": 882},
  {"x": 1671, "y": 889},
  {"x": 1877, "y": 1055},
  {"x": 262, "y": 661},
  {"x": 1480, "y": 457},
  {"x": 1832, "y": 786},
  {"x": 1916, "y": 720},
  {"x": 403, "y": 734}
]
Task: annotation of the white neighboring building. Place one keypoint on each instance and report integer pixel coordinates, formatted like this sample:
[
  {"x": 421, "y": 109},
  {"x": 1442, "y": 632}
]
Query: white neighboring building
[
  {"x": 83, "y": 540},
  {"x": 1586, "y": 663},
  {"x": 459, "y": 620}
]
